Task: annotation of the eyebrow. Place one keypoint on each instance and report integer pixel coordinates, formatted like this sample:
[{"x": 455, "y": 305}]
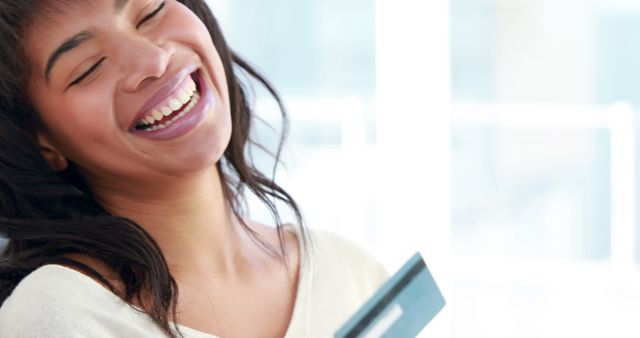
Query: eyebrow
[{"x": 75, "y": 41}]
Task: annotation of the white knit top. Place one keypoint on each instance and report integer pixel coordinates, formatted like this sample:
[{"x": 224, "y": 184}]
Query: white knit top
[{"x": 55, "y": 301}]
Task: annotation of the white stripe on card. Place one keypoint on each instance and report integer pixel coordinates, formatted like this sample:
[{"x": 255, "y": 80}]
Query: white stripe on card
[{"x": 385, "y": 322}]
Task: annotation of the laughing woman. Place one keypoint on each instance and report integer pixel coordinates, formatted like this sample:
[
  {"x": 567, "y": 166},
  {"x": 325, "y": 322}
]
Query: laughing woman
[{"x": 123, "y": 133}]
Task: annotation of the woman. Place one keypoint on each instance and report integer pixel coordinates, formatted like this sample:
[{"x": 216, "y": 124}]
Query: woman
[{"x": 123, "y": 133}]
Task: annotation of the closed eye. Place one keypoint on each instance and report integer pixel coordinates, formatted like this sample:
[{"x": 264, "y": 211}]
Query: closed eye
[
  {"x": 97, "y": 64},
  {"x": 88, "y": 72},
  {"x": 150, "y": 15}
]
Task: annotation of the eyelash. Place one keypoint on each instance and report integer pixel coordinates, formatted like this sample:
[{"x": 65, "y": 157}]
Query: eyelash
[
  {"x": 88, "y": 72},
  {"x": 97, "y": 64},
  {"x": 151, "y": 15}
]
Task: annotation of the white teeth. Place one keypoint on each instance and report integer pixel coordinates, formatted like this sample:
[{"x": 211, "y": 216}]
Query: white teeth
[
  {"x": 191, "y": 85},
  {"x": 184, "y": 97},
  {"x": 186, "y": 110},
  {"x": 174, "y": 104},
  {"x": 157, "y": 115},
  {"x": 180, "y": 98}
]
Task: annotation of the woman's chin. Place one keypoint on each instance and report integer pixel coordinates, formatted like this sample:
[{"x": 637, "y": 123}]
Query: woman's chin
[{"x": 196, "y": 151}]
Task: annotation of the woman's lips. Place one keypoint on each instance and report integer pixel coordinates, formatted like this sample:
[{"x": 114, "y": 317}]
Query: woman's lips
[
  {"x": 168, "y": 90},
  {"x": 180, "y": 103},
  {"x": 189, "y": 120}
]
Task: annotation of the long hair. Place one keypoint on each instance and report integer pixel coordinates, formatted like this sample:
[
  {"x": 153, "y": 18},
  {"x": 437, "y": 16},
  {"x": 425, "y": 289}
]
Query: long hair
[{"x": 47, "y": 215}]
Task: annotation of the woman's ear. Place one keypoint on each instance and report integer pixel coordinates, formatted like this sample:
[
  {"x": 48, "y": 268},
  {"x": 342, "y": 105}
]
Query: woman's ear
[{"x": 51, "y": 153}]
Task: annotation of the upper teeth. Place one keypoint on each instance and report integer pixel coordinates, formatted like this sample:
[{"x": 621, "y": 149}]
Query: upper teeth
[{"x": 171, "y": 104}]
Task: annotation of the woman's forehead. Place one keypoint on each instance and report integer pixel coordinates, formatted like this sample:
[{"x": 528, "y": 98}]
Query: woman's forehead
[
  {"x": 50, "y": 16},
  {"x": 51, "y": 21},
  {"x": 57, "y": 12},
  {"x": 46, "y": 10}
]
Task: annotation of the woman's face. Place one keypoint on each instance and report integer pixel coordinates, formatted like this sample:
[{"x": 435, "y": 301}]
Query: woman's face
[{"x": 129, "y": 90}]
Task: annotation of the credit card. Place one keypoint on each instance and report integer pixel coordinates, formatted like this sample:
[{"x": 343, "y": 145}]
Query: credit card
[{"x": 401, "y": 308}]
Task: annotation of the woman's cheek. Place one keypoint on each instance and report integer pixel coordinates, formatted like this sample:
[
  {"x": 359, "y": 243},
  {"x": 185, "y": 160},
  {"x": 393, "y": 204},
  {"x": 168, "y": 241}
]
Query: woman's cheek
[
  {"x": 201, "y": 43},
  {"x": 85, "y": 117}
]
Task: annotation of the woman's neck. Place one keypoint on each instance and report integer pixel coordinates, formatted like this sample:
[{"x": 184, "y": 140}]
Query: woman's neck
[{"x": 191, "y": 221}]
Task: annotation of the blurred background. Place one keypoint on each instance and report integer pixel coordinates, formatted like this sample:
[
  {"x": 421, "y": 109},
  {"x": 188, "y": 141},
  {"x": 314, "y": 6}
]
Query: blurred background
[{"x": 498, "y": 137}]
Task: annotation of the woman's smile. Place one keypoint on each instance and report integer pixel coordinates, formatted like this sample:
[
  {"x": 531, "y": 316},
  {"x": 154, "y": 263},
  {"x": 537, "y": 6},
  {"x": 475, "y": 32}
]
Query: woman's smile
[
  {"x": 170, "y": 99},
  {"x": 169, "y": 116}
]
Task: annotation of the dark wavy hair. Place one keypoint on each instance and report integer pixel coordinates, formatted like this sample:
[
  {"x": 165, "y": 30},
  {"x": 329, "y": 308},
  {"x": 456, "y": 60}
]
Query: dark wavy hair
[{"x": 47, "y": 215}]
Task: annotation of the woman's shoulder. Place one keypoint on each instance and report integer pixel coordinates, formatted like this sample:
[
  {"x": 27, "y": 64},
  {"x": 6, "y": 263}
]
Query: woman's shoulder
[
  {"x": 338, "y": 250},
  {"x": 334, "y": 256},
  {"x": 337, "y": 276},
  {"x": 54, "y": 283},
  {"x": 42, "y": 297},
  {"x": 44, "y": 287},
  {"x": 55, "y": 301}
]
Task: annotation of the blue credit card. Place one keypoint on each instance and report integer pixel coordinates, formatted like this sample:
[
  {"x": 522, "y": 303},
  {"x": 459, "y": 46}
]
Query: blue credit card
[{"x": 401, "y": 308}]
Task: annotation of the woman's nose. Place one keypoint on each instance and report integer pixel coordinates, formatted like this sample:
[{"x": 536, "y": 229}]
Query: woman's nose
[{"x": 143, "y": 61}]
